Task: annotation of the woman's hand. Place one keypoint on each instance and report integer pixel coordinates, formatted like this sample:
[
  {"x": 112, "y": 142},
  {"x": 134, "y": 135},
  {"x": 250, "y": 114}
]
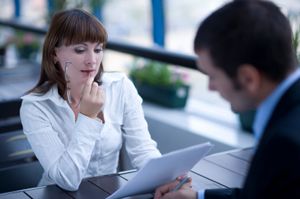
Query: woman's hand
[
  {"x": 185, "y": 192},
  {"x": 93, "y": 98}
]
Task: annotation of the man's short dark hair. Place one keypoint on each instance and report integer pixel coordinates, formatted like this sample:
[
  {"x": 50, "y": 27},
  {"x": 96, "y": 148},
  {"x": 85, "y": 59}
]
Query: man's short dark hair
[{"x": 248, "y": 32}]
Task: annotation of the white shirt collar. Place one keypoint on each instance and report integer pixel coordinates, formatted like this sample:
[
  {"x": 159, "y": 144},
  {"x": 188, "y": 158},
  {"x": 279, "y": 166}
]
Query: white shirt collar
[{"x": 52, "y": 95}]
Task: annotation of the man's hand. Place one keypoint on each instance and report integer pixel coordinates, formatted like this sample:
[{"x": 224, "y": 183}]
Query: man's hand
[
  {"x": 93, "y": 98},
  {"x": 185, "y": 192}
]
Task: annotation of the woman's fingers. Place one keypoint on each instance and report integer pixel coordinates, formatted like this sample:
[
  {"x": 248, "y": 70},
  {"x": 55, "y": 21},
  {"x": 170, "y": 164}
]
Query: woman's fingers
[
  {"x": 87, "y": 87},
  {"x": 93, "y": 99},
  {"x": 101, "y": 94},
  {"x": 94, "y": 90}
]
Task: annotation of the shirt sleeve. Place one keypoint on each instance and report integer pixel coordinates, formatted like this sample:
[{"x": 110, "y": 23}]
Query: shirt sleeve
[
  {"x": 63, "y": 164},
  {"x": 139, "y": 145}
]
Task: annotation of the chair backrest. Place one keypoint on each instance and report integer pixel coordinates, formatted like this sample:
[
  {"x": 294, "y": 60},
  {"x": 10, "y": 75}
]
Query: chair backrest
[
  {"x": 19, "y": 168},
  {"x": 15, "y": 149},
  {"x": 9, "y": 115}
]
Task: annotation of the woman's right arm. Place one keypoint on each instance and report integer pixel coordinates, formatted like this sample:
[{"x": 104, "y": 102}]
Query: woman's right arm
[{"x": 65, "y": 165}]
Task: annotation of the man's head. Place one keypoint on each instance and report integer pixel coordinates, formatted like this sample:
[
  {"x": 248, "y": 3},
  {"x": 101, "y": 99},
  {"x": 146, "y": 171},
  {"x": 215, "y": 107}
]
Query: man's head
[{"x": 245, "y": 48}]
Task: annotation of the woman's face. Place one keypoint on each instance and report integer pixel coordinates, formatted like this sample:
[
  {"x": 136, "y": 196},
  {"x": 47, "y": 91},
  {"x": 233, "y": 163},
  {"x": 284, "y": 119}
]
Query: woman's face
[{"x": 82, "y": 60}]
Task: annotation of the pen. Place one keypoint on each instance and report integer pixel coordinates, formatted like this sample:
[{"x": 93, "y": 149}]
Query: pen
[{"x": 182, "y": 182}]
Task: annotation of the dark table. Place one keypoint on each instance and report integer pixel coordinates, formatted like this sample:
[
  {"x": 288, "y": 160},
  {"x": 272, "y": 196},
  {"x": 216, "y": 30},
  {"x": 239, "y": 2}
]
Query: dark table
[{"x": 222, "y": 170}]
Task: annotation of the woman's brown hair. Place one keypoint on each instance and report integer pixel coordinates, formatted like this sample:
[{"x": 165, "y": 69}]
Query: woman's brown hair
[{"x": 67, "y": 27}]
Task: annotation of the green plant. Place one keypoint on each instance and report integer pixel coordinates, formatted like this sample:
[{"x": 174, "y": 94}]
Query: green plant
[
  {"x": 156, "y": 73},
  {"x": 159, "y": 83},
  {"x": 27, "y": 44},
  {"x": 295, "y": 23},
  {"x": 296, "y": 42}
]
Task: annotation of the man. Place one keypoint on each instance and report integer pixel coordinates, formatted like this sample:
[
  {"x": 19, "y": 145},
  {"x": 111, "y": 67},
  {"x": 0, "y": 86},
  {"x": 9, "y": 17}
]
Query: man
[{"x": 245, "y": 48}]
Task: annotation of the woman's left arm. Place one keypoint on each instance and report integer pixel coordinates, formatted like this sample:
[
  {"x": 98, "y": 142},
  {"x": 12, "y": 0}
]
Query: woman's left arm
[{"x": 139, "y": 144}]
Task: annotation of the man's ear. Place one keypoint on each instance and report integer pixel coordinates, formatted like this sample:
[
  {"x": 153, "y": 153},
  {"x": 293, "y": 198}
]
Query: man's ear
[{"x": 249, "y": 78}]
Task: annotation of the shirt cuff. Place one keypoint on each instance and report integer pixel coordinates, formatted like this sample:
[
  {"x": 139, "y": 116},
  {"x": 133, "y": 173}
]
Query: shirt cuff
[
  {"x": 201, "y": 194},
  {"x": 88, "y": 127}
]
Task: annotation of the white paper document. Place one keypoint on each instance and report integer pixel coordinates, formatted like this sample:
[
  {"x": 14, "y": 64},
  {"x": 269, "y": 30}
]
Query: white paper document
[{"x": 162, "y": 170}]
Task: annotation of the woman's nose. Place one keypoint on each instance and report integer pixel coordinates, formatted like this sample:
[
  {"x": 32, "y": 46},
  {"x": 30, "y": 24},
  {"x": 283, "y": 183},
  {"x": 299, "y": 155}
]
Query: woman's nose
[{"x": 91, "y": 58}]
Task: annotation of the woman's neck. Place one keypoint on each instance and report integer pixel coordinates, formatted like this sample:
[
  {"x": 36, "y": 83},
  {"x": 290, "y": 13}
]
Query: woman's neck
[{"x": 75, "y": 101}]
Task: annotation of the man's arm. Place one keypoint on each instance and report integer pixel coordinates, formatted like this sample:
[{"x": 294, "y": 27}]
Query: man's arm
[{"x": 220, "y": 194}]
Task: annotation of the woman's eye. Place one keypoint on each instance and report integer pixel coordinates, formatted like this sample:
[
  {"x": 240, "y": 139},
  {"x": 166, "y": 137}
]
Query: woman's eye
[
  {"x": 79, "y": 50},
  {"x": 98, "y": 50}
]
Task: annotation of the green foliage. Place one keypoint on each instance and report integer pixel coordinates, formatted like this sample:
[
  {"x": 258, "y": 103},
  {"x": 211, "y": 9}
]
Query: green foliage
[
  {"x": 27, "y": 44},
  {"x": 27, "y": 38},
  {"x": 296, "y": 42},
  {"x": 294, "y": 19},
  {"x": 155, "y": 73}
]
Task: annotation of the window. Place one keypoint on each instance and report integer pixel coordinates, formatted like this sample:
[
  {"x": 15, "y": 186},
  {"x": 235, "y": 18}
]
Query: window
[{"x": 129, "y": 20}]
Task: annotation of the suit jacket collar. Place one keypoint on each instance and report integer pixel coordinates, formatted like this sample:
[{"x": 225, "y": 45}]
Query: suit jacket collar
[{"x": 287, "y": 102}]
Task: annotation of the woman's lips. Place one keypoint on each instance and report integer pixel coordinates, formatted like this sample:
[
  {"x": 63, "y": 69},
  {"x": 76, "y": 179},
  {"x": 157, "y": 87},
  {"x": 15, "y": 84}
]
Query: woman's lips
[{"x": 87, "y": 71}]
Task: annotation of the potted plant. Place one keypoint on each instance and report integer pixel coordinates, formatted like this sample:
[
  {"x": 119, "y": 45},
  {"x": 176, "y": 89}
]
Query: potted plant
[
  {"x": 158, "y": 83},
  {"x": 27, "y": 45}
]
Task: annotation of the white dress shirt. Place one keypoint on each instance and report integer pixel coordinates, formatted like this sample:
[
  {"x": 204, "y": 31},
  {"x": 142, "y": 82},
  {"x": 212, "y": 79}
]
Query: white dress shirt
[{"x": 70, "y": 150}]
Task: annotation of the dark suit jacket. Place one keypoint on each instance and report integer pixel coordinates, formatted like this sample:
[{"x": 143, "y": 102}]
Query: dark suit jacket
[{"x": 275, "y": 167}]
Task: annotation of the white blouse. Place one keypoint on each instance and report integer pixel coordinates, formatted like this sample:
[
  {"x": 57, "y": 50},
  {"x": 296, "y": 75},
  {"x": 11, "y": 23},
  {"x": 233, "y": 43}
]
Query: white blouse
[{"x": 70, "y": 150}]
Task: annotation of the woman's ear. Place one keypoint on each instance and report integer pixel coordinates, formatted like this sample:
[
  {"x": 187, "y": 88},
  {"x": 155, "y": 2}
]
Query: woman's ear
[
  {"x": 55, "y": 61},
  {"x": 55, "y": 58},
  {"x": 249, "y": 78}
]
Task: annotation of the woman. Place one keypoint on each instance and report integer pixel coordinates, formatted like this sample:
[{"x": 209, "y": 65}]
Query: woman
[{"x": 75, "y": 126}]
